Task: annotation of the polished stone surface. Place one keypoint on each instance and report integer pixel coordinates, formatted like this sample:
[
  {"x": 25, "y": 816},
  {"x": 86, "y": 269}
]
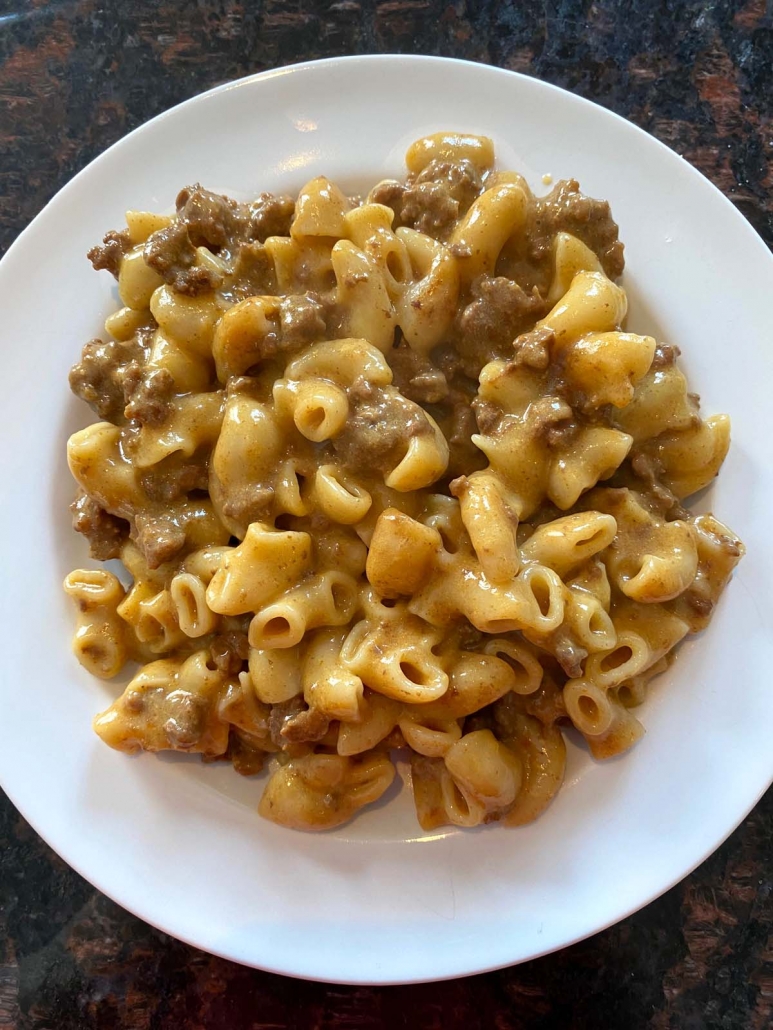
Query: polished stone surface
[{"x": 76, "y": 75}]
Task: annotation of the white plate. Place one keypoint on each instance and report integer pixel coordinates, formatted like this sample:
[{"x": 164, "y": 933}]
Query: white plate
[{"x": 179, "y": 843}]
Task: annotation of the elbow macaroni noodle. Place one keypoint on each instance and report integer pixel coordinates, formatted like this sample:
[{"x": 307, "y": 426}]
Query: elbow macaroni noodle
[{"x": 388, "y": 475}]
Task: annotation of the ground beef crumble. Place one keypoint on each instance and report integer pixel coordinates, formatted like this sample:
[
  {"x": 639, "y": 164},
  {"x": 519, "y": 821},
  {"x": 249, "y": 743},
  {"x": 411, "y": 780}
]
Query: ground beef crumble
[
  {"x": 147, "y": 393},
  {"x": 429, "y": 208},
  {"x": 665, "y": 355},
  {"x": 390, "y": 193},
  {"x": 378, "y": 429},
  {"x": 172, "y": 478},
  {"x": 566, "y": 209},
  {"x": 271, "y": 216},
  {"x": 434, "y": 200},
  {"x": 97, "y": 378},
  {"x": 110, "y": 253},
  {"x": 533, "y": 348},
  {"x": 250, "y": 502},
  {"x": 252, "y": 273},
  {"x": 158, "y": 536},
  {"x": 169, "y": 252},
  {"x": 301, "y": 320},
  {"x": 498, "y": 311},
  {"x": 105, "y": 533},
  {"x": 416, "y": 377},
  {"x": 293, "y": 722},
  {"x": 210, "y": 219},
  {"x": 229, "y": 651},
  {"x": 461, "y": 180}
]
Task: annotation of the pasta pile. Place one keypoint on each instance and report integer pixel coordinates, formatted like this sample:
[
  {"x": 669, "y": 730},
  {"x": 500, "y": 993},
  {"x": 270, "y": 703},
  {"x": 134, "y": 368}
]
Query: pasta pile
[{"x": 387, "y": 474}]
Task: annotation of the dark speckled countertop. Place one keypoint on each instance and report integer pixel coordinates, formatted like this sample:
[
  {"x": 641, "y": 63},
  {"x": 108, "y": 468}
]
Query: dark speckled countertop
[{"x": 75, "y": 75}]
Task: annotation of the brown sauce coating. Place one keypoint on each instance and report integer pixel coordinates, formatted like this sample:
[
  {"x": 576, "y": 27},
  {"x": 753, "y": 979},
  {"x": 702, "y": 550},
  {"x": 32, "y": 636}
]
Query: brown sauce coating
[
  {"x": 566, "y": 209},
  {"x": 379, "y": 428},
  {"x": 432, "y": 201},
  {"x": 302, "y": 320},
  {"x": 228, "y": 414},
  {"x": 253, "y": 271},
  {"x": 293, "y": 722},
  {"x": 230, "y": 650},
  {"x": 494, "y": 319},
  {"x": 175, "y": 477},
  {"x": 498, "y": 311}
]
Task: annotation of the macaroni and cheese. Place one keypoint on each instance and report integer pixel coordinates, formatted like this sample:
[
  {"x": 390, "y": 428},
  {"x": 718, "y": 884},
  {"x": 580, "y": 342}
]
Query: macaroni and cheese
[{"x": 387, "y": 474}]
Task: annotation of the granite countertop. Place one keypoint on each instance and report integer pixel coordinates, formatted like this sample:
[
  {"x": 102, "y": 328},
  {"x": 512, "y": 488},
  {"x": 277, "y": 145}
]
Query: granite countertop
[{"x": 75, "y": 75}]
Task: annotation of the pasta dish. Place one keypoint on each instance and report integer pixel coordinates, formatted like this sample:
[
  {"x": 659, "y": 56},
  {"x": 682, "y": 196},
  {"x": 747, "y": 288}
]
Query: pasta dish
[{"x": 387, "y": 476}]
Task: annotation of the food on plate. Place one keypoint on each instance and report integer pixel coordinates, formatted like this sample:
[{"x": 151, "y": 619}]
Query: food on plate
[{"x": 388, "y": 476}]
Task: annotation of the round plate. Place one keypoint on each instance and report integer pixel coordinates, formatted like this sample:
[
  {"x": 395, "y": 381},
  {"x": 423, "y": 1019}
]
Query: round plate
[{"x": 179, "y": 843}]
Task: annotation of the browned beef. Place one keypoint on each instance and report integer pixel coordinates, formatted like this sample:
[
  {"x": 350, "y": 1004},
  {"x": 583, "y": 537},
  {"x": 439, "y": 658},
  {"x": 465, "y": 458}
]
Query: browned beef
[
  {"x": 250, "y": 502},
  {"x": 105, "y": 533},
  {"x": 253, "y": 271},
  {"x": 171, "y": 253},
  {"x": 174, "y": 478},
  {"x": 416, "y": 377},
  {"x": 147, "y": 392},
  {"x": 565, "y": 209},
  {"x": 533, "y": 348},
  {"x": 390, "y": 193},
  {"x": 499, "y": 311},
  {"x": 210, "y": 219},
  {"x": 378, "y": 429},
  {"x": 270, "y": 216},
  {"x": 429, "y": 208},
  {"x": 97, "y": 377},
  {"x": 665, "y": 356},
  {"x": 461, "y": 180},
  {"x": 302, "y": 320},
  {"x": 293, "y": 722},
  {"x": 186, "y": 719},
  {"x": 158, "y": 537},
  {"x": 109, "y": 254},
  {"x": 230, "y": 650}
]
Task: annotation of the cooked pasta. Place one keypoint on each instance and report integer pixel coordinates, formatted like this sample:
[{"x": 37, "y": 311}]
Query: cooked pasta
[{"x": 388, "y": 475}]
